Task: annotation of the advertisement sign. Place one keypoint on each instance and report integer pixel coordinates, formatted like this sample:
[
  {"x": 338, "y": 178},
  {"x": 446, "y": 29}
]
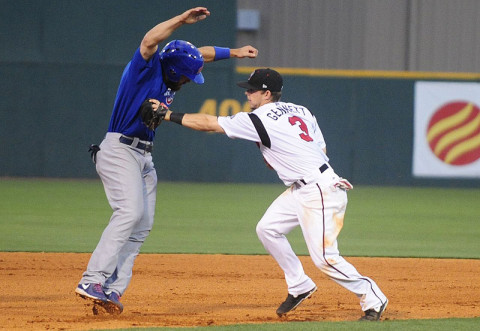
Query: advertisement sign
[{"x": 446, "y": 130}]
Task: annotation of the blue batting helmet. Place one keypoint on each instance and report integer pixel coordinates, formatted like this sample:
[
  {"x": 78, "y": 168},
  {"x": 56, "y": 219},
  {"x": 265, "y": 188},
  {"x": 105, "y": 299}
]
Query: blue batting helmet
[{"x": 181, "y": 58}]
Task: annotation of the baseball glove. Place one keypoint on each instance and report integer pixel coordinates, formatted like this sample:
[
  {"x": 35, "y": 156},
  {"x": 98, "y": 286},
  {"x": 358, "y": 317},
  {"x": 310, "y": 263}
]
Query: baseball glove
[
  {"x": 152, "y": 118},
  {"x": 344, "y": 184}
]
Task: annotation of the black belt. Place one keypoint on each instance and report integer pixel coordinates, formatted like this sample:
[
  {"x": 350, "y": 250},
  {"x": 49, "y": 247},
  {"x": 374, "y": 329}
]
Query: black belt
[
  {"x": 322, "y": 170},
  {"x": 130, "y": 141}
]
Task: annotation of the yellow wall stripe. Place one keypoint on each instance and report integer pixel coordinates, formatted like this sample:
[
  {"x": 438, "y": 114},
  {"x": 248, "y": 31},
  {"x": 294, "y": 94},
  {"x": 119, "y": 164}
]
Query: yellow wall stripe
[{"x": 367, "y": 73}]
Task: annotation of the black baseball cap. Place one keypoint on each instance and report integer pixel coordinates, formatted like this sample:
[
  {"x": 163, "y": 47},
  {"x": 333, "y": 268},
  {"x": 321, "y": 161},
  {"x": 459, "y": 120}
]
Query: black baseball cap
[{"x": 263, "y": 79}]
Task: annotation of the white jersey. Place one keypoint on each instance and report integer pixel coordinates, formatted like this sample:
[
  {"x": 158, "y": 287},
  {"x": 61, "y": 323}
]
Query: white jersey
[{"x": 288, "y": 136}]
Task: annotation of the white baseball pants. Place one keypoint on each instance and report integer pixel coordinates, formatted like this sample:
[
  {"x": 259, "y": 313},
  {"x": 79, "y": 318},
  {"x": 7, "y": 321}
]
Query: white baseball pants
[{"x": 320, "y": 212}]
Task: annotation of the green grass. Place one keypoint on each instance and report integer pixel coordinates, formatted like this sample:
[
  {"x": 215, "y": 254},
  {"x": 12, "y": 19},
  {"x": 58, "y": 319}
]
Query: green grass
[
  {"x": 51, "y": 215},
  {"x": 70, "y": 215},
  {"x": 404, "y": 325},
  {"x": 412, "y": 222}
]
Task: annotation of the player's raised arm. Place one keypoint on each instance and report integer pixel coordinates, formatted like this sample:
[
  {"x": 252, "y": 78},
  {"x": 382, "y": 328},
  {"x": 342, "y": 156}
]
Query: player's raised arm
[{"x": 162, "y": 31}]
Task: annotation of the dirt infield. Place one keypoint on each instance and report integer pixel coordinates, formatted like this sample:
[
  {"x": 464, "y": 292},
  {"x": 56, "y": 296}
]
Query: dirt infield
[{"x": 37, "y": 291}]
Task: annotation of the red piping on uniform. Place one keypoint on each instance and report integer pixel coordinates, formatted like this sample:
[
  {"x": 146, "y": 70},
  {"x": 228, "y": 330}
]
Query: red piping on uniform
[{"x": 323, "y": 243}]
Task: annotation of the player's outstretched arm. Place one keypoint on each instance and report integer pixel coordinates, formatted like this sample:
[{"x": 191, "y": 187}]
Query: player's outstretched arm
[
  {"x": 199, "y": 122},
  {"x": 213, "y": 53},
  {"x": 162, "y": 31}
]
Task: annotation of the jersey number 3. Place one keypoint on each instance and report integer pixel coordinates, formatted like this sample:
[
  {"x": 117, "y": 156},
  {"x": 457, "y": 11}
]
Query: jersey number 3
[{"x": 304, "y": 135}]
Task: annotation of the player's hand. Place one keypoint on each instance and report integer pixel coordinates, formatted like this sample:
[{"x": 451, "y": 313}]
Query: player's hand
[
  {"x": 194, "y": 15},
  {"x": 155, "y": 104},
  {"x": 245, "y": 51}
]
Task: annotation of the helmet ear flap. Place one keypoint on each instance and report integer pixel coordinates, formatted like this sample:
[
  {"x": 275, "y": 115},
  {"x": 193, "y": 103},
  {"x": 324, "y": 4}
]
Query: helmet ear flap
[{"x": 172, "y": 73}]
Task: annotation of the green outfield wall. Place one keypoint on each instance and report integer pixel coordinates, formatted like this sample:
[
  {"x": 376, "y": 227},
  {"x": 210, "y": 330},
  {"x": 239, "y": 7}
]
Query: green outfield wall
[{"x": 61, "y": 61}]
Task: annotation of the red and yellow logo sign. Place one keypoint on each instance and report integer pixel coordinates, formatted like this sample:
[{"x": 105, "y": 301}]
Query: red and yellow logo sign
[{"x": 453, "y": 133}]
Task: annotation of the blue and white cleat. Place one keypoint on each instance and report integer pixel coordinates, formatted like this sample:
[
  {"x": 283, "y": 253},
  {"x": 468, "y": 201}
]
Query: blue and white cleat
[
  {"x": 113, "y": 306},
  {"x": 92, "y": 291}
]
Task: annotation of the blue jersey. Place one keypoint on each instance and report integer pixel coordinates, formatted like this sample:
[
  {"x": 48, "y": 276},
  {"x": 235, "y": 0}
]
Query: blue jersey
[{"x": 140, "y": 80}]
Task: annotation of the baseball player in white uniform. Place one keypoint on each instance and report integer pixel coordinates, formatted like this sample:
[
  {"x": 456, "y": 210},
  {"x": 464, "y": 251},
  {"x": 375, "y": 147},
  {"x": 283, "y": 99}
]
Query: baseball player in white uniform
[{"x": 292, "y": 143}]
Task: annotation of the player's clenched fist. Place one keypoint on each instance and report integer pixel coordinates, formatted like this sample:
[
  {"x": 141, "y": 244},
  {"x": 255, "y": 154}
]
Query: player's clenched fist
[{"x": 245, "y": 51}]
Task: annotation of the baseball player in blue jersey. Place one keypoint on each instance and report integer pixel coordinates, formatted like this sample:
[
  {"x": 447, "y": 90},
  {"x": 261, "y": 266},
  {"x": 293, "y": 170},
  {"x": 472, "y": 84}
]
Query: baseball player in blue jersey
[
  {"x": 124, "y": 159},
  {"x": 292, "y": 144}
]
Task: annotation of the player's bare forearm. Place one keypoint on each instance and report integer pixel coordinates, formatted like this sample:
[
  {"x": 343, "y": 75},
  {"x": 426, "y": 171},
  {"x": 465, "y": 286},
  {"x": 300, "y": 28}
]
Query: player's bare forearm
[
  {"x": 208, "y": 52},
  {"x": 199, "y": 122},
  {"x": 202, "y": 122},
  {"x": 162, "y": 31}
]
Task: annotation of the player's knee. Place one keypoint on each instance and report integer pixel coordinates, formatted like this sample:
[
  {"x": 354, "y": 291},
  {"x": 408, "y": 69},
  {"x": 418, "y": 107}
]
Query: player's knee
[
  {"x": 260, "y": 231},
  {"x": 136, "y": 216},
  {"x": 326, "y": 263},
  {"x": 264, "y": 232}
]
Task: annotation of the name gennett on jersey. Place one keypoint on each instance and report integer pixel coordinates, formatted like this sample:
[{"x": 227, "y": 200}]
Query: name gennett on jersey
[{"x": 282, "y": 108}]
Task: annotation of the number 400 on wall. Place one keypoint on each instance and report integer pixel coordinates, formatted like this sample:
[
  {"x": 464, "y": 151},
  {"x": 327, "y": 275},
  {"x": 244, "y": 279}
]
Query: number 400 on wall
[{"x": 226, "y": 107}]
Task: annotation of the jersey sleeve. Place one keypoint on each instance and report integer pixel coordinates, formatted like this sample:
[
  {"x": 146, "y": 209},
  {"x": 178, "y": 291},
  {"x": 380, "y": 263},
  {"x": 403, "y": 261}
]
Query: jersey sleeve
[
  {"x": 239, "y": 126},
  {"x": 138, "y": 62}
]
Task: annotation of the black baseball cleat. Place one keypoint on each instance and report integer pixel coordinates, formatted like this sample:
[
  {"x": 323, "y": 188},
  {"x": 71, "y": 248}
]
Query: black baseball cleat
[
  {"x": 292, "y": 302},
  {"x": 372, "y": 314}
]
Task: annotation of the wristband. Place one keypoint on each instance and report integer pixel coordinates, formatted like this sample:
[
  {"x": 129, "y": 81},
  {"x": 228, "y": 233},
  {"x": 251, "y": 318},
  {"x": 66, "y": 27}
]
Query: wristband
[
  {"x": 177, "y": 117},
  {"x": 221, "y": 53}
]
